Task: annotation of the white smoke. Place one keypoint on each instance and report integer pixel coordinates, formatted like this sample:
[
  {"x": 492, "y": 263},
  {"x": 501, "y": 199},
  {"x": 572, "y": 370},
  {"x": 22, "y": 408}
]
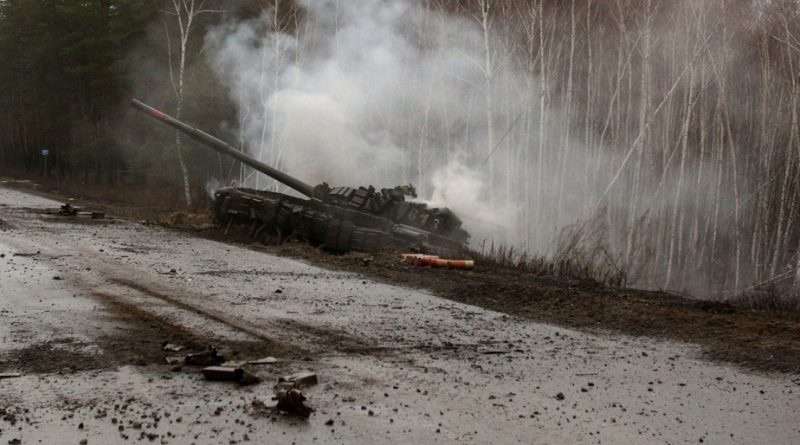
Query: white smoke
[
  {"x": 456, "y": 186},
  {"x": 359, "y": 95}
]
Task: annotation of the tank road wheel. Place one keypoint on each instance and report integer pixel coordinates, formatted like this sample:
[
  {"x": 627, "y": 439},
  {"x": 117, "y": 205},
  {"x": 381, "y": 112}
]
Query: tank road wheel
[
  {"x": 269, "y": 234},
  {"x": 339, "y": 235}
]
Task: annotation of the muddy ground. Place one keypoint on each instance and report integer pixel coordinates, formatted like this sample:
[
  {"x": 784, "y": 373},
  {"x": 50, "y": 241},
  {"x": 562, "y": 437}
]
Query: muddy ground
[
  {"x": 86, "y": 306},
  {"x": 755, "y": 339}
]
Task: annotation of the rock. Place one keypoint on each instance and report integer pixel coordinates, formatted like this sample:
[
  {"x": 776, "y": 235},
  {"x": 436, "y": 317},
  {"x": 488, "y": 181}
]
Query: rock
[{"x": 560, "y": 396}]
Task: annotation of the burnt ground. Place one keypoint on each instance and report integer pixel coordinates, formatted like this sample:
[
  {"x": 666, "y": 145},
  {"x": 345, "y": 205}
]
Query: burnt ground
[{"x": 753, "y": 339}]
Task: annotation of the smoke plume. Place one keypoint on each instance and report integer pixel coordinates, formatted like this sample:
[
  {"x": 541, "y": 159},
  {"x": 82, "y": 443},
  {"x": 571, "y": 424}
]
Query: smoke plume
[{"x": 358, "y": 96}]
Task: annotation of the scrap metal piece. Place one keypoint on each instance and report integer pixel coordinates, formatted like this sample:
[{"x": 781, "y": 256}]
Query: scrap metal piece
[
  {"x": 263, "y": 361},
  {"x": 230, "y": 374},
  {"x": 68, "y": 210},
  {"x": 208, "y": 357},
  {"x": 292, "y": 401},
  {"x": 171, "y": 347}
]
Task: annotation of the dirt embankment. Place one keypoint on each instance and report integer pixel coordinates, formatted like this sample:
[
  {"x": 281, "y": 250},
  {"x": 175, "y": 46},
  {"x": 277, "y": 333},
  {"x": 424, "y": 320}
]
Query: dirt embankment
[{"x": 760, "y": 340}]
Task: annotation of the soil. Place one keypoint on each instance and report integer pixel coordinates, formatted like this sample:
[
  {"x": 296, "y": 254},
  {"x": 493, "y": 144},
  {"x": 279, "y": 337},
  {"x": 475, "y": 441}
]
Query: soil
[{"x": 753, "y": 339}]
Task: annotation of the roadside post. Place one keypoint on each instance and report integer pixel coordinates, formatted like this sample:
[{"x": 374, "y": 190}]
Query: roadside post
[{"x": 45, "y": 154}]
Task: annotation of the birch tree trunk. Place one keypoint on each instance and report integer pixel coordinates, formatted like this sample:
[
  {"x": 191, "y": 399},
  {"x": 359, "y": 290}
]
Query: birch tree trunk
[{"x": 184, "y": 13}]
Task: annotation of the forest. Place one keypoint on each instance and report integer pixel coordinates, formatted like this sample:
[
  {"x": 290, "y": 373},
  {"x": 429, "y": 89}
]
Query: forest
[{"x": 657, "y": 137}]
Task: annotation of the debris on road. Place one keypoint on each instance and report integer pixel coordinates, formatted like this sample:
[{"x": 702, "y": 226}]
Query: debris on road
[
  {"x": 300, "y": 379},
  {"x": 208, "y": 357},
  {"x": 494, "y": 351},
  {"x": 174, "y": 360},
  {"x": 263, "y": 361},
  {"x": 230, "y": 374},
  {"x": 169, "y": 347},
  {"x": 9, "y": 375},
  {"x": 292, "y": 401},
  {"x": 68, "y": 210}
]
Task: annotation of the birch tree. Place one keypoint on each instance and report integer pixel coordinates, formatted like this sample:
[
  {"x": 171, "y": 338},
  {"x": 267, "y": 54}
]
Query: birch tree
[{"x": 183, "y": 14}]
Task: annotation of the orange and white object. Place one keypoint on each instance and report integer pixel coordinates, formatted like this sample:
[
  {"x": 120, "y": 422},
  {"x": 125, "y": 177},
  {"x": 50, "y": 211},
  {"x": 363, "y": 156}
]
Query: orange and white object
[
  {"x": 461, "y": 264},
  {"x": 435, "y": 261},
  {"x": 411, "y": 258}
]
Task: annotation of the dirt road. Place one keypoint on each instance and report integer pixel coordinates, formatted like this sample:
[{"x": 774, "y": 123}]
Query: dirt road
[{"x": 85, "y": 306}]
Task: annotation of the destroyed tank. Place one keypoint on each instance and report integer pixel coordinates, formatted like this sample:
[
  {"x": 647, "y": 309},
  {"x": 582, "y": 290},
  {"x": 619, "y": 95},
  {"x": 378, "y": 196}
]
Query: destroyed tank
[{"x": 339, "y": 219}]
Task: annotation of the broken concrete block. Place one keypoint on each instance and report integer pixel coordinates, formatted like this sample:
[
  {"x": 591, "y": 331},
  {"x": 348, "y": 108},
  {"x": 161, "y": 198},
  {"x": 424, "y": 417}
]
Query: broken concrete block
[{"x": 300, "y": 379}]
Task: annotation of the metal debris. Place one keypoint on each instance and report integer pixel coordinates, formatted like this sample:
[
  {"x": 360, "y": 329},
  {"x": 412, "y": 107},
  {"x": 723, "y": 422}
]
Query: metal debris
[
  {"x": 208, "y": 357},
  {"x": 174, "y": 360},
  {"x": 68, "y": 210},
  {"x": 263, "y": 361},
  {"x": 292, "y": 401},
  {"x": 230, "y": 374},
  {"x": 169, "y": 347}
]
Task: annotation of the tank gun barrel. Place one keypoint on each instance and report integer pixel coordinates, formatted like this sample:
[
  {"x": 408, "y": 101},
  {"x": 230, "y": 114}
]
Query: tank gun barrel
[{"x": 225, "y": 149}]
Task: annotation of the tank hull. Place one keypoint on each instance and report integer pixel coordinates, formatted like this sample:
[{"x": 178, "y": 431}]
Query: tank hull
[{"x": 273, "y": 217}]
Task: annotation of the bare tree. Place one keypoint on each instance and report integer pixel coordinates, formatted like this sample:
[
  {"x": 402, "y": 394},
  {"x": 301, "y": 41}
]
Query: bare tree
[{"x": 183, "y": 14}]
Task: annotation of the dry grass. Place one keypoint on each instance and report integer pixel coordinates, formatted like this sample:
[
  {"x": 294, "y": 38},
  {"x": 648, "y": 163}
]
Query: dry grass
[
  {"x": 580, "y": 264},
  {"x": 767, "y": 298}
]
